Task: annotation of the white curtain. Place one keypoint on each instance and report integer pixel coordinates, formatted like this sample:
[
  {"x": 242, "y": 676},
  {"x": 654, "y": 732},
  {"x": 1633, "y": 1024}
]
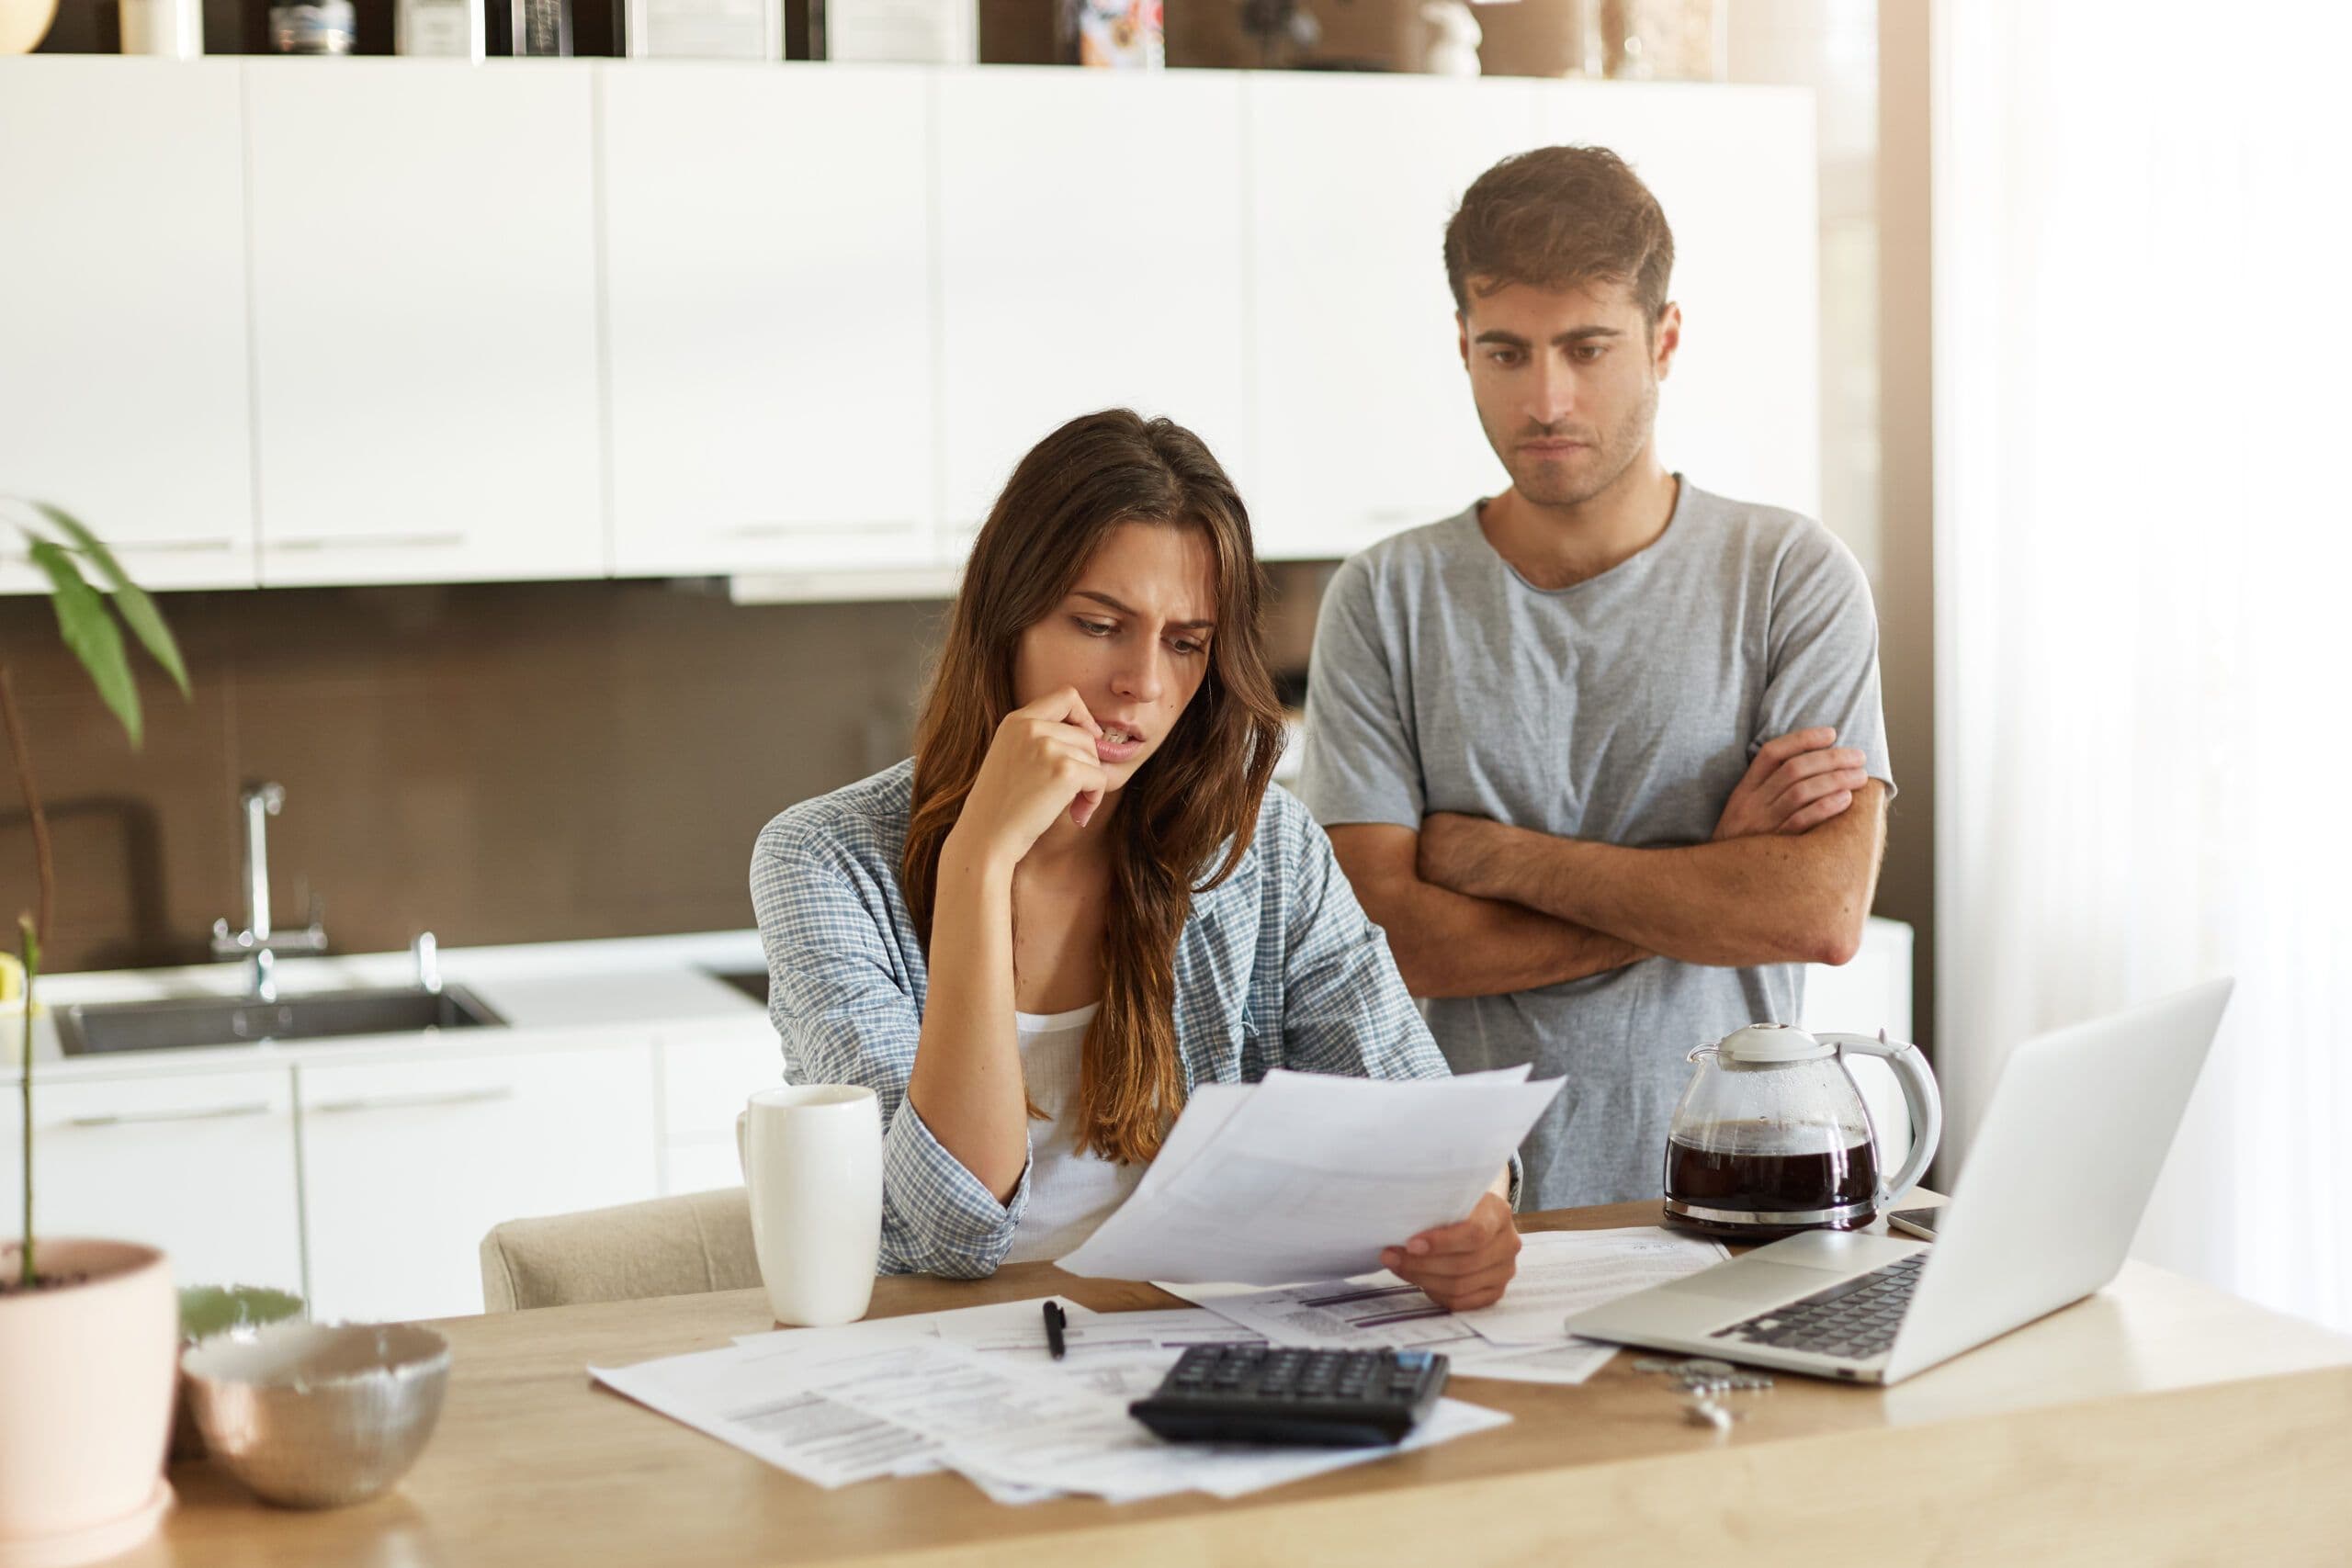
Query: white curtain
[{"x": 2143, "y": 563}]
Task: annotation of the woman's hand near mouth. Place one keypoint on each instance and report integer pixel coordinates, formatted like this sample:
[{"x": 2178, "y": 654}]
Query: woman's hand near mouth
[{"x": 1043, "y": 762}]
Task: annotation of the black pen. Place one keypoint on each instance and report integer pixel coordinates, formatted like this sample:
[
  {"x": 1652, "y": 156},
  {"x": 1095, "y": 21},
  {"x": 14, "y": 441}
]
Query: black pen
[{"x": 1054, "y": 1321}]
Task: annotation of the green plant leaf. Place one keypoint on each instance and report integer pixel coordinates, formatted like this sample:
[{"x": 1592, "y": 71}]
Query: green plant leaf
[
  {"x": 138, "y": 611},
  {"x": 88, "y": 628}
]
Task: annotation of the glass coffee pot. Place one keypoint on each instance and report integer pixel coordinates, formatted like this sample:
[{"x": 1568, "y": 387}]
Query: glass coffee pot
[{"x": 1773, "y": 1137}]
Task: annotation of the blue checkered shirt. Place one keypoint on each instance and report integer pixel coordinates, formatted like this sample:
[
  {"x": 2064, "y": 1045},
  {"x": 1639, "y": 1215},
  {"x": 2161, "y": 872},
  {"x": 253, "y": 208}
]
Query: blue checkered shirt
[{"x": 1277, "y": 966}]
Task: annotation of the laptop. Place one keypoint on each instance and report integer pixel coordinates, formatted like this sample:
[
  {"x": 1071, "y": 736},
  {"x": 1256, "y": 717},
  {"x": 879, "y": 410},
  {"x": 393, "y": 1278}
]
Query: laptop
[{"x": 2059, "y": 1177}]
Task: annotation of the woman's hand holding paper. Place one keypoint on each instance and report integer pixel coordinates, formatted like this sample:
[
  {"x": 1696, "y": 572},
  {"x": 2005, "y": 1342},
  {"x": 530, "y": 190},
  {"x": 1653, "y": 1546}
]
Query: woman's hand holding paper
[{"x": 1464, "y": 1265}]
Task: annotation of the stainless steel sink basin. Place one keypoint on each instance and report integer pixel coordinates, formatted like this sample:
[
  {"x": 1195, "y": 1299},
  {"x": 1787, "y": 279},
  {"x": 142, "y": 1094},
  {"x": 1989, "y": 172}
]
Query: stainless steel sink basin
[
  {"x": 89, "y": 1028},
  {"x": 752, "y": 983}
]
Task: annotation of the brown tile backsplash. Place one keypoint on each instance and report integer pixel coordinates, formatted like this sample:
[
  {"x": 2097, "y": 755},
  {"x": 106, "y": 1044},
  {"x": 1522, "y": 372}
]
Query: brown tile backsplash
[
  {"x": 515, "y": 762},
  {"x": 495, "y": 764}
]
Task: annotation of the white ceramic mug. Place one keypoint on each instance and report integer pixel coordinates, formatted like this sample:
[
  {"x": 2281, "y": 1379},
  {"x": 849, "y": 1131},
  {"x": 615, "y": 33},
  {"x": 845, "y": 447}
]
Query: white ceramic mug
[{"x": 813, "y": 1166}]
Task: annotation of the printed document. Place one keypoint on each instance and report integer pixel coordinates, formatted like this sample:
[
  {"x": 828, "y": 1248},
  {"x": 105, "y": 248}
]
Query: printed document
[
  {"x": 1307, "y": 1176},
  {"x": 1566, "y": 1271},
  {"x": 1369, "y": 1312},
  {"x": 1520, "y": 1338},
  {"x": 972, "y": 1391}
]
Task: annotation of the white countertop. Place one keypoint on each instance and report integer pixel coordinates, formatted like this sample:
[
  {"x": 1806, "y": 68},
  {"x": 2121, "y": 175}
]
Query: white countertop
[
  {"x": 548, "y": 993},
  {"x": 554, "y": 993}
]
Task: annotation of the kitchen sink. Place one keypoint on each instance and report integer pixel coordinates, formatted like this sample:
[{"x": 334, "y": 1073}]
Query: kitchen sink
[
  {"x": 752, "y": 983},
  {"x": 90, "y": 1029}
]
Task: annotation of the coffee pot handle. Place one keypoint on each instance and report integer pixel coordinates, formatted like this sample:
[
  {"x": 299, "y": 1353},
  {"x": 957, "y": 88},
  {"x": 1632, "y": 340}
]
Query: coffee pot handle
[{"x": 1919, "y": 1096}]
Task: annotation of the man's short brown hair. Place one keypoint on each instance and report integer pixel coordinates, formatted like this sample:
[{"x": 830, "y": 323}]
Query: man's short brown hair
[{"x": 1559, "y": 218}]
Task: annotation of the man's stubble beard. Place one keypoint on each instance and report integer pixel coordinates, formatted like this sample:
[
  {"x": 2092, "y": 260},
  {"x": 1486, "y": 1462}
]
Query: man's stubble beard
[{"x": 1545, "y": 485}]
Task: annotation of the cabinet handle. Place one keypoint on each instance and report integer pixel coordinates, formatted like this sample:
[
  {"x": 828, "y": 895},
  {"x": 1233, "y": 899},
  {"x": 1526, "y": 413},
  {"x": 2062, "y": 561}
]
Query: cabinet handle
[
  {"x": 370, "y": 542},
  {"x": 413, "y": 1101},
  {"x": 173, "y": 546},
  {"x": 142, "y": 1118}
]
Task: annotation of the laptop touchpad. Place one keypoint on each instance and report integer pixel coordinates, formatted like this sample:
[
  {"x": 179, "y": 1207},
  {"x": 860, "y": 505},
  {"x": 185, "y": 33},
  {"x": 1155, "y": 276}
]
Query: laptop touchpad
[{"x": 1755, "y": 1280}]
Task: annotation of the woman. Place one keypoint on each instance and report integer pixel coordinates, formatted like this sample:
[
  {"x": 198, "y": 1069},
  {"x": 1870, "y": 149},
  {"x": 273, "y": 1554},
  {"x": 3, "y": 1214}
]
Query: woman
[{"x": 1080, "y": 897}]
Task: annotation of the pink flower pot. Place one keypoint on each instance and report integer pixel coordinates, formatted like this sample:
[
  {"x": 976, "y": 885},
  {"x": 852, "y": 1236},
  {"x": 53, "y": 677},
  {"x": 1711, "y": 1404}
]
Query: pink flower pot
[{"x": 88, "y": 1373}]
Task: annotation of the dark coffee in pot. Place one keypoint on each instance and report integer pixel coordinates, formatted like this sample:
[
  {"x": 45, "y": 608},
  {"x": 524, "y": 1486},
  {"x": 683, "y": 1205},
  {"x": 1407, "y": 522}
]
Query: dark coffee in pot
[{"x": 1745, "y": 1169}]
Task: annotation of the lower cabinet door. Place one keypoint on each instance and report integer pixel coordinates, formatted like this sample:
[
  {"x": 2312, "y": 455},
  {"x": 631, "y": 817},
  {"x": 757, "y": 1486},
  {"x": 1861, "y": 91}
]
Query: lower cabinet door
[
  {"x": 709, "y": 1070},
  {"x": 199, "y": 1165},
  {"x": 407, "y": 1163}
]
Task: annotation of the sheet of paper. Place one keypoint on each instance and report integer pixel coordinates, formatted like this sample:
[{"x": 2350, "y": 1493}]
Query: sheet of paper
[
  {"x": 995, "y": 1325},
  {"x": 1566, "y": 1271},
  {"x": 1363, "y": 1314},
  {"x": 1453, "y": 1418},
  {"x": 900, "y": 1397},
  {"x": 1012, "y": 1327},
  {"x": 1570, "y": 1360},
  {"x": 1120, "y": 1355},
  {"x": 781, "y": 1419},
  {"x": 1113, "y": 1456},
  {"x": 1206, "y": 1110},
  {"x": 961, "y": 1405},
  {"x": 1310, "y": 1175},
  {"x": 883, "y": 1330}
]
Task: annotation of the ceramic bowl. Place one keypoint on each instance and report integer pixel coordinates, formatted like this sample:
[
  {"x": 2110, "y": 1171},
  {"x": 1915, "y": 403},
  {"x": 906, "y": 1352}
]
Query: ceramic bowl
[{"x": 315, "y": 1416}]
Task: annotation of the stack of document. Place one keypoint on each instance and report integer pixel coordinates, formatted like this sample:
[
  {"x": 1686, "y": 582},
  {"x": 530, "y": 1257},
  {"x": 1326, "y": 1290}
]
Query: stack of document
[
  {"x": 1307, "y": 1176},
  {"x": 1520, "y": 1338},
  {"x": 976, "y": 1391}
]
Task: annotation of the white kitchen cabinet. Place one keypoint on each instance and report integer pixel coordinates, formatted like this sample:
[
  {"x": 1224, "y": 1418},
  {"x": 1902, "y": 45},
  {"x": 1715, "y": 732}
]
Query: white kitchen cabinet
[
  {"x": 708, "y": 1069},
  {"x": 1734, "y": 167},
  {"x": 1364, "y": 424},
  {"x": 424, "y": 320},
  {"x": 768, "y": 234},
  {"x": 1091, "y": 254},
  {"x": 407, "y": 1163},
  {"x": 201, "y": 1165},
  {"x": 123, "y": 392},
  {"x": 402, "y": 319}
]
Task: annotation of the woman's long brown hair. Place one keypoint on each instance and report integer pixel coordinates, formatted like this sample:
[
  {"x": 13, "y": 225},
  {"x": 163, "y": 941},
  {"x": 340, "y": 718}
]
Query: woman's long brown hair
[{"x": 1197, "y": 795}]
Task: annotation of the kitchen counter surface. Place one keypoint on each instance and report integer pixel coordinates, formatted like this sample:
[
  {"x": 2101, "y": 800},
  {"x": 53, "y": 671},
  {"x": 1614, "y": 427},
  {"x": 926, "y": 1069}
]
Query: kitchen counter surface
[
  {"x": 549, "y": 993},
  {"x": 553, "y": 993}
]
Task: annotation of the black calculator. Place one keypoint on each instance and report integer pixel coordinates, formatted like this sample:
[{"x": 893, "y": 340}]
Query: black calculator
[{"x": 1262, "y": 1393}]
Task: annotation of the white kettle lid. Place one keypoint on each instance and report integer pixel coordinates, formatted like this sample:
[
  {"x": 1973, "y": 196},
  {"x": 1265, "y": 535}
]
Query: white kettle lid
[{"x": 1772, "y": 1043}]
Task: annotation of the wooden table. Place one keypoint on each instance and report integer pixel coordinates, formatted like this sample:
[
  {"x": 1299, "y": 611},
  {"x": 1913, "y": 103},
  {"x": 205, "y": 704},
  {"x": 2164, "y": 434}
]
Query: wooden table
[{"x": 2159, "y": 1421}]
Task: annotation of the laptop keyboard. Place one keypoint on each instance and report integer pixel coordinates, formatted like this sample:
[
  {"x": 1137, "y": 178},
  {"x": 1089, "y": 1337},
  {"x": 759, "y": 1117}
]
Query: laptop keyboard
[{"x": 1855, "y": 1318}]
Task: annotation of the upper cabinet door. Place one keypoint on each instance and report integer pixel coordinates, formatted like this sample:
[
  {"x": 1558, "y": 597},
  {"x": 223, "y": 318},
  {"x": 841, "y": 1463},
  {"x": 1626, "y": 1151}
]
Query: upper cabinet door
[
  {"x": 768, "y": 306},
  {"x": 1090, "y": 255},
  {"x": 1735, "y": 169},
  {"x": 1364, "y": 419},
  {"x": 424, "y": 320},
  {"x": 123, "y": 396}
]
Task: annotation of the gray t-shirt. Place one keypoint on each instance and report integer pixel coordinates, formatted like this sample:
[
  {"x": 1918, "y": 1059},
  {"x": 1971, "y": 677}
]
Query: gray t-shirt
[{"x": 1621, "y": 709}]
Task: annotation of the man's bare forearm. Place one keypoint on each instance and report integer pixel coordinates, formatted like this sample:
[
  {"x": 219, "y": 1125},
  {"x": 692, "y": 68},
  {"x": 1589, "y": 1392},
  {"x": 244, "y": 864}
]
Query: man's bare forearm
[
  {"x": 1764, "y": 899},
  {"x": 1451, "y": 945}
]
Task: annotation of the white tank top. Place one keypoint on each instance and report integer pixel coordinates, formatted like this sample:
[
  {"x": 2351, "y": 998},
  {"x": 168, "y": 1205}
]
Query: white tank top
[{"x": 1070, "y": 1191}]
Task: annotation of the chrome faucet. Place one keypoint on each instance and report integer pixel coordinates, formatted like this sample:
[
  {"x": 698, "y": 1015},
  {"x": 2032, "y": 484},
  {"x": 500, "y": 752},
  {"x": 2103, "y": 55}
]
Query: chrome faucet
[{"x": 258, "y": 944}]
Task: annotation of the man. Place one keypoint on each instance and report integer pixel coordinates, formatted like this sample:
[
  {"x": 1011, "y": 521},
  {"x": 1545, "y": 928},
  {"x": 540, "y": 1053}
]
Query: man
[{"x": 1603, "y": 753}]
